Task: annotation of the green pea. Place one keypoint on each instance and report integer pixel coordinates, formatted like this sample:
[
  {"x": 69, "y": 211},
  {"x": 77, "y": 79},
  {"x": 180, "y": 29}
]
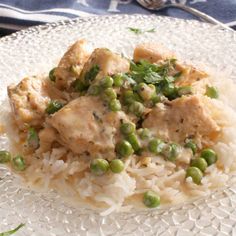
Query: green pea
[
  {"x": 137, "y": 97},
  {"x": 156, "y": 98},
  {"x": 127, "y": 128},
  {"x": 152, "y": 86},
  {"x": 170, "y": 151},
  {"x": 110, "y": 93},
  {"x": 33, "y": 138},
  {"x": 128, "y": 97},
  {"x": 209, "y": 155},
  {"x": 133, "y": 140},
  {"x": 146, "y": 91},
  {"x": 144, "y": 133},
  {"x": 200, "y": 163},
  {"x": 140, "y": 87},
  {"x": 151, "y": 199},
  {"x": 118, "y": 80},
  {"x": 79, "y": 86},
  {"x": 19, "y": 163},
  {"x": 114, "y": 105},
  {"x": 169, "y": 89},
  {"x": 124, "y": 148},
  {"x": 136, "y": 86},
  {"x": 94, "y": 90},
  {"x": 117, "y": 166},
  {"x": 212, "y": 92},
  {"x": 53, "y": 107},
  {"x": 5, "y": 156},
  {"x": 190, "y": 144},
  {"x": 99, "y": 166},
  {"x": 185, "y": 90},
  {"x": 106, "y": 82},
  {"x": 155, "y": 146},
  {"x": 195, "y": 174},
  {"x": 52, "y": 77},
  {"x": 136, "y": 108}
]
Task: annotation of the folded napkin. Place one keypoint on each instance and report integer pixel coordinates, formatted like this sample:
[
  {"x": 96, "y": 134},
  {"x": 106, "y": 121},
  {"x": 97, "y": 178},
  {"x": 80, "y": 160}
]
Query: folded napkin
[{"x": 16, "y": 15}]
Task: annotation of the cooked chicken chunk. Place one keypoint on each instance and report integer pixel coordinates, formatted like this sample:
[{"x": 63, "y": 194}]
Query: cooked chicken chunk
[
  {"x": 109, "y": 63},
  {"x": 71, "y": 64},
  {"x": 151, "y": 52},
  {"x": 85, "y": 125},
  {"x": 157, "y": 53},
  {"x": 189, "y": 74},
  {"x": 46, "y": 137},
  {"x": 182, "y": 118},
  {"x": 28, "y": 100}
]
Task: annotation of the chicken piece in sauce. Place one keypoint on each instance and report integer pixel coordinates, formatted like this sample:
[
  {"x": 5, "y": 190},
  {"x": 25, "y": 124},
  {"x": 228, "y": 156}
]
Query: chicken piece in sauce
[
  {"x": 108, "y": 63},
  {"x": 151, "y": 52},
  {"x": 29, "y": 100},
  {"x": 85, "y": 125},
  {"x": 71, "y": 64},
  {"x": 182, "y": 118},
  {"x": 46, "y": 136}
]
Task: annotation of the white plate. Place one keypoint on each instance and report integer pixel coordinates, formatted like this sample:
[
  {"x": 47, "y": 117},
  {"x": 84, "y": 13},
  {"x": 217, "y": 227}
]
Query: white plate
[{"x": 38, "y": 49}]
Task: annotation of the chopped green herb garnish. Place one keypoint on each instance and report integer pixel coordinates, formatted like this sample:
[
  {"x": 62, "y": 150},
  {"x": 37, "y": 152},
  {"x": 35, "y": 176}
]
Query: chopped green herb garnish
[
  {"x": 139, "y": 31},
  {"x": 92, "y": 73},
  {"x": 53, "y": 107},
  {"x": 10, "y": 232},
  {"x": 52, "y": 77},
  {"x": 169, "y": 64},
  {"x": 151, "y": 30},
  {"x": 145, "y": 71},
  {"x": 170, "y": 79},
  {"x": 79, "y": 86},
  {"x": 135, "y": 30},
  {"x": 177, "y": 75},
  {"x": 129, "y": 79}
]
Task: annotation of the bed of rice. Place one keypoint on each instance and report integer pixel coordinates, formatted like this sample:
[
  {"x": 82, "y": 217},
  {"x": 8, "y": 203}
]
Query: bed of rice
[{"x": 68, "y": 174}]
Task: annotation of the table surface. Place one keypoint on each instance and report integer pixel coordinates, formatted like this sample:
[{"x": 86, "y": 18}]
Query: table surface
[{"x": 16, "y": 15}]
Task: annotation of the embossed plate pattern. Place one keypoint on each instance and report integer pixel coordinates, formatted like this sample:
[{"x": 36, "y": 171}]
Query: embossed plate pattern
[{"x": 38, "y": 49}]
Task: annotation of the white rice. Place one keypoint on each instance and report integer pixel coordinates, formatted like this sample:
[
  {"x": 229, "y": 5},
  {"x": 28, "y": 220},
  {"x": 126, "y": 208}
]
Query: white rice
[{"x": 115, "y": 192}]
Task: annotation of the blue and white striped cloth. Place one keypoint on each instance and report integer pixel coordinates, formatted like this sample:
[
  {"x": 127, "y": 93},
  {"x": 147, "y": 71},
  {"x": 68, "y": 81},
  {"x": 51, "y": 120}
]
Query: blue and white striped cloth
[{"x": 19, "y": 14}]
